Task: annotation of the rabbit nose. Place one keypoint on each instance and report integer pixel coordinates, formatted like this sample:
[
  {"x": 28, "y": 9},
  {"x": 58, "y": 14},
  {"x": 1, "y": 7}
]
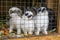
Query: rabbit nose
[{"x": 29, "y": 16}]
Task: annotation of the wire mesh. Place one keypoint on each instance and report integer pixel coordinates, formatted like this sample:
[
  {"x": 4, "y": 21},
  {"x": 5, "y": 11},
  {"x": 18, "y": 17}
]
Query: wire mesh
[{"x": 5, "y": 5}]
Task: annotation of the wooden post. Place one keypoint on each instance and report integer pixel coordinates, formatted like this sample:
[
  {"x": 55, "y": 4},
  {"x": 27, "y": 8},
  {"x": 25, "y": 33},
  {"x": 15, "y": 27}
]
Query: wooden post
[
  {"x": 50, "y": 3},
  {"x": 59, "y": 17}
]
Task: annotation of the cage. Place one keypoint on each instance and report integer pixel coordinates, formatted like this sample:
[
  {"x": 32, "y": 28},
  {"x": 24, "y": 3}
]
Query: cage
[{"x": 53, "y": 15}]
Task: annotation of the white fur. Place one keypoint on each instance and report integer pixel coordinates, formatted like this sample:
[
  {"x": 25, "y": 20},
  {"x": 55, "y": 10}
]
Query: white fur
[
  {"x": 14, "y": 21},
  {"x": 41, "y": 22},
  {"x": 27, "y": 23}
]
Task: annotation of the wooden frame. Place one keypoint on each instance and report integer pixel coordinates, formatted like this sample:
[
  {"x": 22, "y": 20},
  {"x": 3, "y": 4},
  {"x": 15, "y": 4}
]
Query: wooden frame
[
  {"x": 50, "y": 4},
  {"x": 50, "y": 37},
  {"x": 59, "y": 16}
]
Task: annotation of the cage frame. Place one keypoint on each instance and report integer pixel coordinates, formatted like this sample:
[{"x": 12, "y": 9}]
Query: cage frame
[{"x": 49, "y": 37}]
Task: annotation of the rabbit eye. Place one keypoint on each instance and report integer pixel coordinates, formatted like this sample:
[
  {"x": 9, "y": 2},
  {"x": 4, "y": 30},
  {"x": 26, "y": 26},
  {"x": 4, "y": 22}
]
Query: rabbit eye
[
  {"x": 39, "y": 10},
  {"x": 26, "y": 14},
  {"x": 43, "y": 10}
]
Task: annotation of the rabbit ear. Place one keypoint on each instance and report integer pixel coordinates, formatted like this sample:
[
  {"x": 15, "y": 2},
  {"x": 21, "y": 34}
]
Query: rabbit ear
[
  {"x": 34, "y": 11},
  {"x": 19, "y": 12},
  {"x": 28, "y": 8},
  {"x": 39, "y": 9},
  {"x": 25, "y": 9},
  {"x": 35, "y": 8},
  {"x": 9, "y": 11}
]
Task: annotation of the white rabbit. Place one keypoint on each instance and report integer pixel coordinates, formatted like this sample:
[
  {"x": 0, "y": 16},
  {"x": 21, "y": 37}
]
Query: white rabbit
[
  {"x": 27, "y": 23},
  {"x": 15, "y": 20},
  {"x": 41, "y": 21}
]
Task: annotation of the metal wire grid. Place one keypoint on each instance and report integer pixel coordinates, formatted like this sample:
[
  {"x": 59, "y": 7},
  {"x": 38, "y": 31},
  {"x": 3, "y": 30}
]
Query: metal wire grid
[{"x": 6, "y": 4}]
